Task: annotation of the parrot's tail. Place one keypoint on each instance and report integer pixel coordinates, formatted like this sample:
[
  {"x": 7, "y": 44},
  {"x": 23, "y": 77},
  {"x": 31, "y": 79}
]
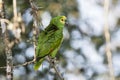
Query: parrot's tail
[{"x": 38, "y": 64}]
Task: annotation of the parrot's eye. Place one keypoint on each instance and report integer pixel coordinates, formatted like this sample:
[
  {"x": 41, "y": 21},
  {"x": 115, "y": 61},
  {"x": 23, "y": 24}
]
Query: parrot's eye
[{"x": 62, "y": 20}]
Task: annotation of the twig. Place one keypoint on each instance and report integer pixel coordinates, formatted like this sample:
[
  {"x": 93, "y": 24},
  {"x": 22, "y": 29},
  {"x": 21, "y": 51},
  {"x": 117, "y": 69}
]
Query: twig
[
  {"x": 55, "y": 68},
  {"x": 35, "y": 13},
  {"x": 24, "y": 64},
  {"x": 5, "y": 21},
  {"x": 15, "y": 10},
  {"x": 35, "y": 25},
  {"x": 107, "y": 37},
  {"x": 4, "y": 67}
]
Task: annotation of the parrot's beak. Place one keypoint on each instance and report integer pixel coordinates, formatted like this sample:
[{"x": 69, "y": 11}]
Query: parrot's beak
[{"x": 65, "y": 20}]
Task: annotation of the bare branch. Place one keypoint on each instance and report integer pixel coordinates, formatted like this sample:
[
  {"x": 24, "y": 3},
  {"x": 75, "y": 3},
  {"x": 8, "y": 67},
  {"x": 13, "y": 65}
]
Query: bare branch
[
  {"x": 107, "y": 37},
  {"x": 35, "y": 13},
  {"x": 55, "y": 68},
  {"x": 15, "y": 10},
  {"x": 8, "y": 52},
  {"x": 24, "y": 64}
]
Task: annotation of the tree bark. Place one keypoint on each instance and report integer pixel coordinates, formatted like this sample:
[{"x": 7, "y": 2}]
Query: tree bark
[
  {"x": 9, "y": 62},
  {"x": 8, "y": 52}
]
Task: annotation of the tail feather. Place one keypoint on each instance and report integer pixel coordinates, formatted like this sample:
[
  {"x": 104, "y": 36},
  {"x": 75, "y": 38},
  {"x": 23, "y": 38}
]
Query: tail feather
[{"x": 38, "y": 64}]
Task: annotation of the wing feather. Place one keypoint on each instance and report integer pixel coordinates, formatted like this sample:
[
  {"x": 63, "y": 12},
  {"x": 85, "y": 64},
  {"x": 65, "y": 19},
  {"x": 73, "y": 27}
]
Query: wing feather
[{"x": 47, "y": 43}]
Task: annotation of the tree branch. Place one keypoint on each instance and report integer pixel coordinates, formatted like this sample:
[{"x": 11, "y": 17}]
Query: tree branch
[
  {"x": 55, "y": 68},
  {"x": 8, "y": 52},
  {"x": 107, "y": 37},
  {"x": 24, "y": 64}
]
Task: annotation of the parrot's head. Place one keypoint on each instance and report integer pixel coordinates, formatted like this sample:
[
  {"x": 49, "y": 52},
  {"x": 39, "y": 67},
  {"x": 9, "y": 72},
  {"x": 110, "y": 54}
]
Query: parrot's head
[{"x": 59, "y": 21}]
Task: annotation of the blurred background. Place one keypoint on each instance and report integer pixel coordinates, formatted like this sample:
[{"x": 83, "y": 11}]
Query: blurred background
[{"x": 82, "y": 54}]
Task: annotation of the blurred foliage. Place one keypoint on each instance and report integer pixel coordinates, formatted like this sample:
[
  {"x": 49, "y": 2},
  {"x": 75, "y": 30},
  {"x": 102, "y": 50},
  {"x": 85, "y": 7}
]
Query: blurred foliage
[
  {"x": 98, "y": 40},
  {"x": 68, "y": 8}
]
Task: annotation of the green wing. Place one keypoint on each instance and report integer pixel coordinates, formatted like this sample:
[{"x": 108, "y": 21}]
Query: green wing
[{"x": 48, "y": 44}]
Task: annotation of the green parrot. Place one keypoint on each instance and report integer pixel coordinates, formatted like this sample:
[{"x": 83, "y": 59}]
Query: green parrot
[{"x": 49, "y": 40}]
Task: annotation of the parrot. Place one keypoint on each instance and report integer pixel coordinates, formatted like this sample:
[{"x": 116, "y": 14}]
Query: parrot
[{"x": 49, "y": 40}]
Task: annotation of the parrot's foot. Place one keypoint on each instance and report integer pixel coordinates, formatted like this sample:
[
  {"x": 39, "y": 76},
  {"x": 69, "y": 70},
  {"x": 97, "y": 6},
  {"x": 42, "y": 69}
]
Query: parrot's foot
[{"x": 53, "y": 60}]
